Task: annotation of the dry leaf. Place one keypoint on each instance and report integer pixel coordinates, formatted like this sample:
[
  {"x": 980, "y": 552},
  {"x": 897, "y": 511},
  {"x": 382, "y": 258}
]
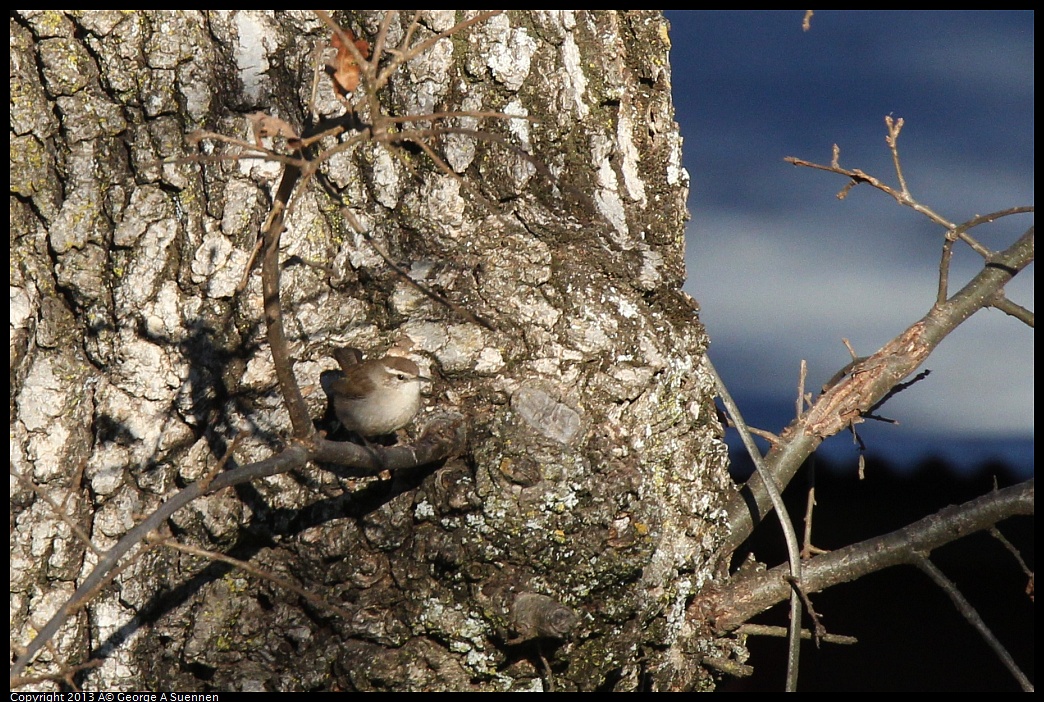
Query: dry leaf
[
  {"x": 345, "y": 71},
  {"x": 265, "y": 125}
]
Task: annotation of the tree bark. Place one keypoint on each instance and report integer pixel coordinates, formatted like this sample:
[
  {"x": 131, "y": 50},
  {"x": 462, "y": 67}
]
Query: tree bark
[{"x": 560, "y": 550}]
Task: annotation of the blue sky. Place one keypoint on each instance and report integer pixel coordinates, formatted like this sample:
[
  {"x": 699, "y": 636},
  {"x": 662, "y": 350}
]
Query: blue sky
[{"x": 783, "y": 270}]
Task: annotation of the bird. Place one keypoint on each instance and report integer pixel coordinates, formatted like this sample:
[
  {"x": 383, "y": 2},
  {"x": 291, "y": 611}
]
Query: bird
[{"x": 375, "y": 397}]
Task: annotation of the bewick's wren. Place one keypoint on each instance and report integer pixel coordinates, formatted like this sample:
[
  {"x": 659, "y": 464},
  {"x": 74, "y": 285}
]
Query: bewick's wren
[{"x": 375, "y": 397}]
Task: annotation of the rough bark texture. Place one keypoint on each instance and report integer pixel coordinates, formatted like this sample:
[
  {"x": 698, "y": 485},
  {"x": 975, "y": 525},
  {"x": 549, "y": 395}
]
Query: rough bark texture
[{"x": 561, "y": 549}]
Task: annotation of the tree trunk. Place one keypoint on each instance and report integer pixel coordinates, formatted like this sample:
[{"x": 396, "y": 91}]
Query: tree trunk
[{"x": 559, "y": 550}]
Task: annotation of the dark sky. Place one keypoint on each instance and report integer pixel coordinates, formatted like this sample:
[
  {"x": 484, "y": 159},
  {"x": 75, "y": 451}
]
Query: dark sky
[{"x": 783, "y": 270}]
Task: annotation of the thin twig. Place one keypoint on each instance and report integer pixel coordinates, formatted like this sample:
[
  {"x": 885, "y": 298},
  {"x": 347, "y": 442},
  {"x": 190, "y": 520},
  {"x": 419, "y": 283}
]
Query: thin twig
[
  {"x": 766, "y": 435},
  {"x": 780, "y": 632},
  {"x": 405, "y": 54},
  {"x": 904, "y": 198},
  {"x": 972, "y": 616},
  {"x": 270, "y": 274},
  {"x": 894, "y": 127},
  {"x": 871, "y": 379},
  {"x": 262, "y": 152},
  {"x": 818, "y": 631},
  {"x": 808, "y": 550},
  {"x": 353, "y": 221},
  {"x": 754, "y": 592},
  {"x": 246, "y": 567},
  {"x": 67, "y": 675},
  {"x": 729, "y": 666},
  {"x": 793, "y": 552},
  {"x": 995, "y": 533},
  {"x": 802, "y": 377},
  {"x": 221, "y": 464},
  {"x": 76, "y": 529},
  {"x": 960, "y": 231},
  {"x": 1015, "y": 310},
  {"x": 382, "y": 33},
  {"x": 851, "y": 349},
  {"x": 943, "y": 285},
  {"x": 859, "y": 176}
]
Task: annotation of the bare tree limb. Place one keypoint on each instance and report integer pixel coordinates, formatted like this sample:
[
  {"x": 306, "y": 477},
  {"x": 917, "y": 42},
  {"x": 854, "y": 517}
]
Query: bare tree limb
[
  {"x": 442, "y": 438},
  {"x": 1015, "y": 310},
  {"x": 284, "y": 366},
  {"x": 747, "y": 596},
  {"x": 968, "y": 612},
  {"x": 793, "y": 550},
  {"x": 780, "y": 632},
  {"x": 870, "y": 380},
  {"x": 957, "y": 232}
]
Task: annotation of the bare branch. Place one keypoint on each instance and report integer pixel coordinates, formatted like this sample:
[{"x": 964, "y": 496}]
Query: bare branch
[
  {"x": 779, "y": 632},
  {"x": 749, "y": 595},
  {"x": 859, "y": 176},
  {"x": 320, "y": 602},
  {"x": 76, "y": 529},
  {"x": 284, "y": 365},
  {"x": 793, "y": 550},
  {"x": 870, "y": 380},
  {"x": 995, "y": 533},
  {"x": 894, "y": 127},
  {"x": 809, "y": 550},
  {"x": 292, "y": 457},
  {"x": 802, "y": 377},
  {"x": 968, "y": 612},
  {"x": 443, "y": 437},
  {"x": 259, "y": 152},
  {"x": 353, "y": 221},
  {"x": 405, "y": 53},
  {"x": 960, "y": 231}
]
